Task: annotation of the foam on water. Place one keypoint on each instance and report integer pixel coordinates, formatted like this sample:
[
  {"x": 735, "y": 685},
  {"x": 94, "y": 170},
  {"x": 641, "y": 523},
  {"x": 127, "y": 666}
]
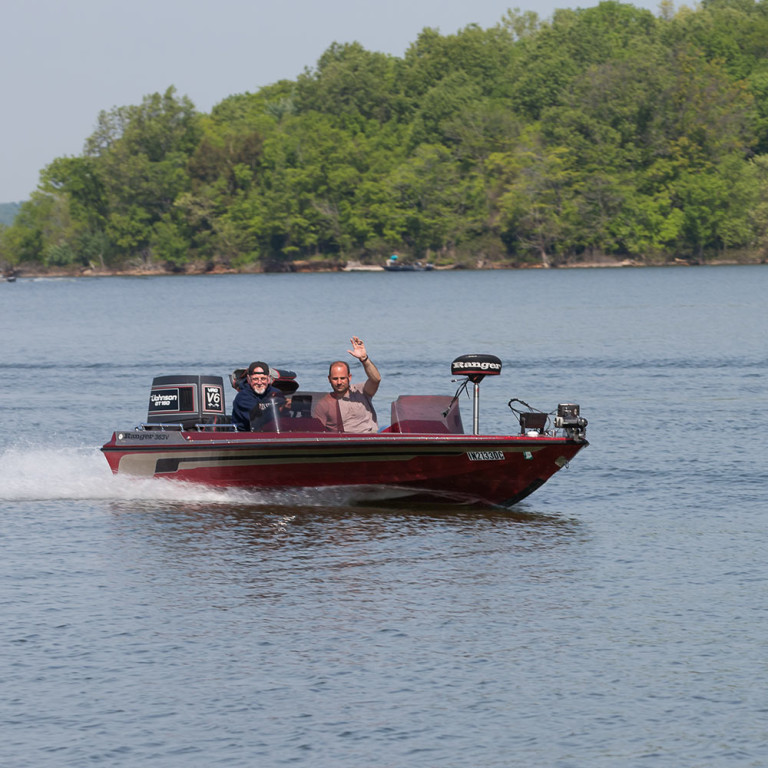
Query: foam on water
[{"x": 37, "y": 473}]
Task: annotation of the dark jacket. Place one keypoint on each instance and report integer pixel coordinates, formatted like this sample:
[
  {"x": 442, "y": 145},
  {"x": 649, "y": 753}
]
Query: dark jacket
[{"x": 250, "y": 410}]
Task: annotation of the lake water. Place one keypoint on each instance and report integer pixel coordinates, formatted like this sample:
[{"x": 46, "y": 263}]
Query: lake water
[{"x": 617, "y": 617}]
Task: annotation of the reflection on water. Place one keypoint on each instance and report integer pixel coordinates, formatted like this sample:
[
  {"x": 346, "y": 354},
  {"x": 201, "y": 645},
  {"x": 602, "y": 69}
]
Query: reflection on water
[
  {"x": 361, "y": 557},
  {"x": 266, "y": 526}
]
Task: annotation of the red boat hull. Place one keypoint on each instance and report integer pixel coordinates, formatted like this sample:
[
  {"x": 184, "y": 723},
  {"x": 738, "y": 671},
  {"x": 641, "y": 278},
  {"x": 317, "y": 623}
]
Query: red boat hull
[{"x": 470, "y": 469}]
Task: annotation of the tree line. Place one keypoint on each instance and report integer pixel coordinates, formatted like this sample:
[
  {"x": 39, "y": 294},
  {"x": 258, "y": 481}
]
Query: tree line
[{"x": 600, "y": 131}]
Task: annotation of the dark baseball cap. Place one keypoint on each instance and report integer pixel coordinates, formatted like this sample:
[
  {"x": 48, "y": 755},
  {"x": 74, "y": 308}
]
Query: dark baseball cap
[{"x": 258, "y": 366}]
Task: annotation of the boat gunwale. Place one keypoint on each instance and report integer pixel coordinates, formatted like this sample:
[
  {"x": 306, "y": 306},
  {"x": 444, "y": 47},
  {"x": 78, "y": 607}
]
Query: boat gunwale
[{"x": 191, "y": 440}]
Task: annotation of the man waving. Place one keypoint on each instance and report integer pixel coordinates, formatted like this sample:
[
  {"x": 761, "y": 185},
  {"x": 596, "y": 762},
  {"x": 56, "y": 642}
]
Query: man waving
[{"x": 349, "y": 408}]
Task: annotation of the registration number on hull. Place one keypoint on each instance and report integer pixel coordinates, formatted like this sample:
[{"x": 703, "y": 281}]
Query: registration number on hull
[{"x": 485, "y": 455}]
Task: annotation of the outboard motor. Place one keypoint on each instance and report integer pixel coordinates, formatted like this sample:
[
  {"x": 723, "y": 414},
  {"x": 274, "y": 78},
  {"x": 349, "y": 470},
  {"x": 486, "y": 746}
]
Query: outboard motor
[
  {"x": 187, "y": 400},
  {"x": 476, "y": 368}
]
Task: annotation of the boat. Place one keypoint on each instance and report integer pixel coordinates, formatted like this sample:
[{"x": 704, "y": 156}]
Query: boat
[
  {"x": 393, "y": 265},
  {"x": 423, "y": 455},
  {"x": 415, "y": 267}
]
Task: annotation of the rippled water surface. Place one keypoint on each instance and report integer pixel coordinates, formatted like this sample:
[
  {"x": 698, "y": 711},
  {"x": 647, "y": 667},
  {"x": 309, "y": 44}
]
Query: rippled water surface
[{"x": 617, "y": 617}]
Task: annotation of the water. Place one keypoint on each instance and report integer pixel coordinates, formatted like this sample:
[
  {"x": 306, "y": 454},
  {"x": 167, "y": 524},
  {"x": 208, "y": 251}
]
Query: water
[{"x": 617, "y": 617}]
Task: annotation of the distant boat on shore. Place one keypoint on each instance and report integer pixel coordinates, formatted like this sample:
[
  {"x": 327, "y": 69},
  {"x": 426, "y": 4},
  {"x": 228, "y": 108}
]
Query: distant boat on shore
[{"x": 393, "y": 265}]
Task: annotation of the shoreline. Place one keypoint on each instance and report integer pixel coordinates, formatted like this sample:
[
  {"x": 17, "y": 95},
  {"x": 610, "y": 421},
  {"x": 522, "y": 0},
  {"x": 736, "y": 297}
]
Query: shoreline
[{"x": 305, "y": 267}]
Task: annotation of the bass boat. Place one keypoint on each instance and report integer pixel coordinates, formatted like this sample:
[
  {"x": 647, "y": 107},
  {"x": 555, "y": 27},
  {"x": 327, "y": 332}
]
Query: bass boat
[
  {"x": 393, "y": 265},
  {"x": 424, "y": 455}
]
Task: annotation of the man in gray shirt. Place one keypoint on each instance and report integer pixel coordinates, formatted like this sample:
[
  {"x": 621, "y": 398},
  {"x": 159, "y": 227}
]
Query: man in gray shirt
[{"x": 349, "y": 408}]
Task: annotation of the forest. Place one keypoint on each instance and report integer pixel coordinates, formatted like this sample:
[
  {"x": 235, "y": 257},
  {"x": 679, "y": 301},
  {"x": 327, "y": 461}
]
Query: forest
[{"x": 606, "y": 132}]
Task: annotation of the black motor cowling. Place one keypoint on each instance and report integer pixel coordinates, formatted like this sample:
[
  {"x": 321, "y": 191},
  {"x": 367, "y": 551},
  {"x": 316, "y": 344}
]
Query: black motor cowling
[{"x": 187, "y": 400}]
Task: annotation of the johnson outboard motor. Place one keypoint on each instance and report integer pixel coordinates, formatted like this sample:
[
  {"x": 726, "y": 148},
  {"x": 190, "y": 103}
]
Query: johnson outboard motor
[
  {"x": 476, "y": 368},
  {"x": 187, "y": 400}
]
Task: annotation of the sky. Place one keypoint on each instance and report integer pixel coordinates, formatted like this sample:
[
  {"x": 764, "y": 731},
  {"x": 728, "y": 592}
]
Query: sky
[{"x": 64, "y": 61}]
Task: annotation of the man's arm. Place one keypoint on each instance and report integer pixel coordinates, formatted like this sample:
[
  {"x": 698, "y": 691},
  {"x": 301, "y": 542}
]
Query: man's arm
[
  {"x": 240, "y": 416},
  {"x": 371, "y": 371}
]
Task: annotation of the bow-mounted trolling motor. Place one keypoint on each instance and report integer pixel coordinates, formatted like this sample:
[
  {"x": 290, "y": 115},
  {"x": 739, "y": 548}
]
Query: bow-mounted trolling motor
[
  {"x": 534, "y": 422},
  {"x": 568, "y": 419},
  {"x": 476, "y": 368}
]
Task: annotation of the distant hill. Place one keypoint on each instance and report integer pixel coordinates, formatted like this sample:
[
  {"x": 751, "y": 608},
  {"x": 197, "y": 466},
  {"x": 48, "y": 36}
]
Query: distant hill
[{"x": 8, "y": 212}]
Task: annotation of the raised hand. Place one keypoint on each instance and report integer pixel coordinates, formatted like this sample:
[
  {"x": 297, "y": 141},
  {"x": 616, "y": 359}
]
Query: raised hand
[{"x": 358, "y": 348}]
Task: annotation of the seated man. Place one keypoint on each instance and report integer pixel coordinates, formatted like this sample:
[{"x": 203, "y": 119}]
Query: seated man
[
  {"x": 349, "y": 407},
  {"x": 258, "y": 401}
]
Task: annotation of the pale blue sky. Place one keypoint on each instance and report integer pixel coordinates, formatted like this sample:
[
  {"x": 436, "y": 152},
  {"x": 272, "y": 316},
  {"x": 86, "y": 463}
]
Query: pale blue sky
[{"x": 63, "y": 61}]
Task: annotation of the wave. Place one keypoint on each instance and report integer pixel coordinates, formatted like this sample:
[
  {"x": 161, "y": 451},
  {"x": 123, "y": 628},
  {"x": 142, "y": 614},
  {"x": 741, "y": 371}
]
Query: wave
[
  {"x": 35, "y": 473},
  {"x": 60, "y": 473}
]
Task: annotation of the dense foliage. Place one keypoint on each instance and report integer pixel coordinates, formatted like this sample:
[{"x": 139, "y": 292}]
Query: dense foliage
[{"x": 607, "y": 130}]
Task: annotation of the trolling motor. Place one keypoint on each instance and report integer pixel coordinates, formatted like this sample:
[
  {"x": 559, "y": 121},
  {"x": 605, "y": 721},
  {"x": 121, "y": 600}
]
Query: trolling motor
[
  {"x": 534, "y": 422},
  {"x": 568, "y": 419},
  {"x": 476, "y": 368}
]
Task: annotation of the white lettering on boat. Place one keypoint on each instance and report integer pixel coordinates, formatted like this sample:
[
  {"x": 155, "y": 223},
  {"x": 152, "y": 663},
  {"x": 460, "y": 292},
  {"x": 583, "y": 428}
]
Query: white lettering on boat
[
  {"x": 163, "y": 400},
  {"x": 477, "y": 366},
  {"x": 213, "y": 399},
  {"x": 485, "y": 455}
]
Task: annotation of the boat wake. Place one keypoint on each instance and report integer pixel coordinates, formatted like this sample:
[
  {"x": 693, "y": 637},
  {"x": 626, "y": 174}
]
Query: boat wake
[
  {"x": 36, "y": 473},
  {"x": 54, "y": 474}
]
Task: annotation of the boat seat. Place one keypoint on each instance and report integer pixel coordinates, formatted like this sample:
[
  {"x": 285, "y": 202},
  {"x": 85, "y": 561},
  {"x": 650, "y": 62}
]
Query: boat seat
[{"x": 426, "y": 414}]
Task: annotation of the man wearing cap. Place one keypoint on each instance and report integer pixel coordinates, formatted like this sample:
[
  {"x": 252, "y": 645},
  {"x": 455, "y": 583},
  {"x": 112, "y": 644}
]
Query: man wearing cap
[
  {"x": 349, "y": 408},
  {"x": 258, "y": 401}
]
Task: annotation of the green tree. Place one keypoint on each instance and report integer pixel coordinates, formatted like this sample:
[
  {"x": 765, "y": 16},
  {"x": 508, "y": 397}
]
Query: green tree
[
  {"x": 141, "y": 155},
  {"x": 432, "y": 205},
  {"x": 537, "y": 198},
  {"x": 349, "y": 80}
]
